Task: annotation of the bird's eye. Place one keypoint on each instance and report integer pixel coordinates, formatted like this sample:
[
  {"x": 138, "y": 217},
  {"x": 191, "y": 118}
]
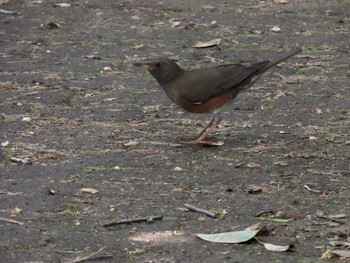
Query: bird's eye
[{"x": 157, "y": 64}]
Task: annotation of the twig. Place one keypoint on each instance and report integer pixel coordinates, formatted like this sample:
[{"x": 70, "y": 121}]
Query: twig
[
  {"x": 11, "y": 221},
  {"x": 311, "y": 190},
  {"x": 199, "y": 210},
  {"x": 89, "y": 257},
  {"x": 321, "y": 215},
  {"x": 150, "y": 219}
]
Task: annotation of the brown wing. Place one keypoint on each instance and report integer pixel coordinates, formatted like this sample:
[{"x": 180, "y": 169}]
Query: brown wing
[{"x": 206, "y": 83}]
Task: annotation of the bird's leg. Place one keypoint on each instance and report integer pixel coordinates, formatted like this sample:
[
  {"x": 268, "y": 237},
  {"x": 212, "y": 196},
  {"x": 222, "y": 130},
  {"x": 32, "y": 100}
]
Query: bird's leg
[{"x": 209, "y": 128}]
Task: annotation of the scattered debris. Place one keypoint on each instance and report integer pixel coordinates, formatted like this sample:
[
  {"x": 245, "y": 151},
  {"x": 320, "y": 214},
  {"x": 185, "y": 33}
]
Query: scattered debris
[
  {"x": 93, "y": 256},
  {"x": 341, "y": 253},
  {"x": 62, "y": 5},
  {"x": 21, "y": 160},
  {"x": 5, "y": 143},
  {"x": 89, "y": 190},
  {"x": 199, "y": 210},
  {"x": 311, "y": 190},
  {"x": 131, "y": 143},
  {"x": 334, "y": 218},
  {"x": 277, "y": 248},
  {"x": 339, "y": 244},
  {"x": 53, "y": 25},
  {"x": 96, "y": 57},
  {"x": 234, "y": 237},
  {"x": 49, "y": 191},
  {"x": 211, "y": 43},
  {"x": 11, "y": 221},
  {"x": 278, "y": 220},
  {"x": 7, "y": 12},
  {"x": 150, "y": 219},
  {"x": 276, "y": 29},
  {"x": 253, "y": 165},
  {"x": 27, "y": 119},
  {"x": 253, "y": 189}
]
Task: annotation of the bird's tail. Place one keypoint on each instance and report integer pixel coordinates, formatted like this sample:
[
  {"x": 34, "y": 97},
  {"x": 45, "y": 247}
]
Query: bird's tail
[{"x": 278, "y": 60}]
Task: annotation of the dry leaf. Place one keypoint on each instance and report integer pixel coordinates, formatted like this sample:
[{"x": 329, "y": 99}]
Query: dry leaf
[
  {"x": 62, "y": 5},
  {"x": 131, "y": 143},
  {"x": 341, "y": 253},
  {"x": 5, "y": 143},
  {"x": 281, "y": 1},
  {"x": 281, "y": 163},
  {"x": 339, "y": 243},
  {"x": 211, "y": 43},
  {"x": 89, "y": 190},
  {"x": 253, "y": 165},
  {"x": 276, "y": 29},
  {"x": 318, "y": 111},
  {"x": 272, "y": 247},
  {"x": 15, "y": 212},
  {"x": 175, "y": 23},
  {"x": 254, "y": 189}
]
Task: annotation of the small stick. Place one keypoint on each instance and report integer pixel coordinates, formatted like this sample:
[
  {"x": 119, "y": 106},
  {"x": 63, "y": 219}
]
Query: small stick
[
  {"x": 89, "y": 257},
  {"x": 150, "y": 219},
  {"x": 199, "y": 210},
  {"x": 11, "y": 221}
]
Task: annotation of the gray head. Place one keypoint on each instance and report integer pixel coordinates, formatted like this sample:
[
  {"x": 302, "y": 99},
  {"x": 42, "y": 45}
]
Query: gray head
[{"x": 162, "y": 69}]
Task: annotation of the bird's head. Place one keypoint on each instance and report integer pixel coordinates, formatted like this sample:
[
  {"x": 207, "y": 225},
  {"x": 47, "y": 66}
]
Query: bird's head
[{"x": 162, "y": 69}]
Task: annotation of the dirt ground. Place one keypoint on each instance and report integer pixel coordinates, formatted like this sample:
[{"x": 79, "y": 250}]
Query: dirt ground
[{"x": 71, "y": 102}]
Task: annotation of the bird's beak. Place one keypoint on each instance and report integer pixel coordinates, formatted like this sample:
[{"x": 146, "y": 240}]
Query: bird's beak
[{"x": 145, "y": 65}]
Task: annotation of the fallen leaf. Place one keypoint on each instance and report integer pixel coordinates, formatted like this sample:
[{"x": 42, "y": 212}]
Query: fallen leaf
[
  {"x": 211, "y": 43},
  {"x": 281, "y": 163},
  {"x": 253, "y": 165},
  {"x": 15, "y": 212},
  {"x": 89, "y": 190},
  {"x": 278, "y": 220},
  {"x": 341, "y": 253},
  {"x": 318, "y": 111},
  {"x": 272, "y": 247},
  {"x": 276, "y": 29},
  {"x": 53, "y": 25},
  {"x": 230, "y": 237},
  {"x": 131, "y": 143},
  {"x": 175, "y": 23},
  {"x": 327, "y": 254},
  {"x": 62, "y": 5},
  {"x": 209, "y": 143},
  {"x": 339, "y": 243},
  {"x": 49, "y": 191},
  {"x": 5, "y": 143},
  {"x": 338, "y": 216},
  {"x": 254, "y": 189}
]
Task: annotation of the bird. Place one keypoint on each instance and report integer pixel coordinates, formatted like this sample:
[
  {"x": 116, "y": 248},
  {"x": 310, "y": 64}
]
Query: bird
[{"x": 209, "y": 89}]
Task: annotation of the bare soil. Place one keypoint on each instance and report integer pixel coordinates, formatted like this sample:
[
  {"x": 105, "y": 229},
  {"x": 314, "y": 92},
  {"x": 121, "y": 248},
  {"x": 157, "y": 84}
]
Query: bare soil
[{"x": 71, "y": 102}]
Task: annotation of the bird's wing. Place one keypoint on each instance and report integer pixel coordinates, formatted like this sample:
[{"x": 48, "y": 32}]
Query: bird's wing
[{"x": 206, "y": 83}]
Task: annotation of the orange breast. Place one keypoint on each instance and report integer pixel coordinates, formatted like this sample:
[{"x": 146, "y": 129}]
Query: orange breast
[{"x": 210, "y": 105}]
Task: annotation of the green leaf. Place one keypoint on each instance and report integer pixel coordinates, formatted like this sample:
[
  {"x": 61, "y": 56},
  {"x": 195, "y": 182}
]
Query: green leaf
[
  {"x": 278, "y": 220},
  {"x": 230, "y": 237}
]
